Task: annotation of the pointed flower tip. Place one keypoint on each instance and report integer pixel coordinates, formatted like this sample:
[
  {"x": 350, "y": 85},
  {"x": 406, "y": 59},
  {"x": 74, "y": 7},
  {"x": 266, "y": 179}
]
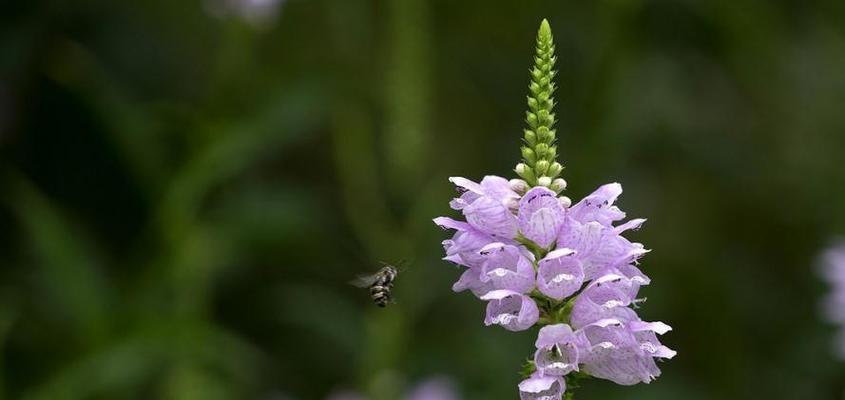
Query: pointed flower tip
[{"x": 545, "y": 29}]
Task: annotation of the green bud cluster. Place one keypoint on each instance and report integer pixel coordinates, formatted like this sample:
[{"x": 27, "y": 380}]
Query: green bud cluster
[{"x": 539, "y": 166}]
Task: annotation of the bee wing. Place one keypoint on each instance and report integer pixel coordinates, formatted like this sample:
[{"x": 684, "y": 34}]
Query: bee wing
[{"x": 363, "y": 281}]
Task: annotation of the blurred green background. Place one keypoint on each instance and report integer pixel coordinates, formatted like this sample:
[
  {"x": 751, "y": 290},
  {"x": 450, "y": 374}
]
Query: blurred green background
[{"x": 187, "y": 186}]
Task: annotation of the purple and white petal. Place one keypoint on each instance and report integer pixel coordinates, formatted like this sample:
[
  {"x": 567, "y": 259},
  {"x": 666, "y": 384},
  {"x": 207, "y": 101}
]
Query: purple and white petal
[
  {"x": 614, "y": 353},
  {"x": 557, "y": 350},
  {"x": 606, "y": 297},
  {"x": 492, "y": 217},
  {"x": 599, "y": 207},
  {"x": 624, "y": 352},
  {"x": 553, "y": 334},
  {"x": 469, "y": 192},
  {"x": 539, "y": 387},
  {"x": 512, "y": 310},
  {"x": 438, "y": 388},
  {"x": 560, "y": 274},
  {"x": 540, "y": 216},
  {"x": 633, "y": 224},
  {"x": 499, "y": 189},
  {"x": 471, "y": 279},
  {"x": 507, "y": 268},
  {"x": 463, "y": 247}
]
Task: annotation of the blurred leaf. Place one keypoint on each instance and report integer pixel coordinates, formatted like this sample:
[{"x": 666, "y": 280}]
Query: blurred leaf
[
  {"x": 121, "y": 366},
  {"x": 365, "y": 201},
  {"x": 192, "y": 382},
  {"x": 322, "y": 312},
  {"x": 406, "y": 94},
  {"x": 235, "y": 148},
  {"x": 68, "y": 267},
  {"x": 129, "y": 363},
  {"x": 8, "y": 315}
]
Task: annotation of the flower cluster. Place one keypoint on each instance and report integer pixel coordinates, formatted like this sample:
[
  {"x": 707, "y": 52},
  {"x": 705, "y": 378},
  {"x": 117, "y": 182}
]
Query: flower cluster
[
  {"x": 534, "y": 257},
  {"x": 537, "y": 259},
  {"x": 833, "y": 272}
]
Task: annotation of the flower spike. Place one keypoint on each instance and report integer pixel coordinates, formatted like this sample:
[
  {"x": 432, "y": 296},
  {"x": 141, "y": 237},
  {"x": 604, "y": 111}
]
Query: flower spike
[{"x": 539, "y": 166}]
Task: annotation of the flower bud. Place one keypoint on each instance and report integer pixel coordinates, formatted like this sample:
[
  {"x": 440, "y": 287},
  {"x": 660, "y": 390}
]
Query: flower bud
[
  {"x": 529, "y": 155},
  {"x": 531, "y": 119},
  {"x": 544, "y": 181},
  {"x": 558, "y": 185},
  {"x": 530, "y": 137},
  {"x": 541, "y": 149},
  {"x": 543, "y": 133},
  {"x": 518, "y": 185},
  {"x": 555, "y": 170},
  {"x": 541, "y": 167},
  {"x": 525, "y": 172},
  {"x": 564, "y": 201}
]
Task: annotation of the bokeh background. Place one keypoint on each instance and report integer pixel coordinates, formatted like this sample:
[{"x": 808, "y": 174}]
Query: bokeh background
[{"x": 187, "y": 186}]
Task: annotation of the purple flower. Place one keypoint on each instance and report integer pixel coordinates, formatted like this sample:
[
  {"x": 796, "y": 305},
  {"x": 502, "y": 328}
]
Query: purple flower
[
  {"x": 471, "y": 279},
  {"x": 539, "y": 387},
  {"x": 598, "y": 206},
  {"x": 606, "y": 297},
  {"x": 581, "y": 260},
  {"x": 624, "y": 351},
  {"x": 463, "y": 247},
  {"x": 487, "y": 206},
  {"x": 833, "y": 271},
  {"x": 600, "y": 247},
  {"x": 433, "y": 389},
  {"x": 557, "y": 350},
  {"x": 512, "y": 310},
  {"x": 507, "y": 267},
  {"x": 259, "y": 13},
  {"x": 437, "y": 388},
  {"x": 560, "y": 274},
  {"x": 540, "y": 216}
]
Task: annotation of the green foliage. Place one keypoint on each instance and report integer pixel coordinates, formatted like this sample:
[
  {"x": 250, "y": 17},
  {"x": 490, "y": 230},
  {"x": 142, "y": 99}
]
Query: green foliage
[{"x": 528, "y": 368}]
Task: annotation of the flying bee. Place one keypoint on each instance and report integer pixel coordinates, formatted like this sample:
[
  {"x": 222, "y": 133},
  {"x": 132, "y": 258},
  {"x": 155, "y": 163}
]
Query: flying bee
[{"x": 379, "y": 284}]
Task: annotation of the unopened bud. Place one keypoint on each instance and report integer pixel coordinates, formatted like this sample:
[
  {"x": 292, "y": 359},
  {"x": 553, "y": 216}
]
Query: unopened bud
[
  {"x": 555, "y": 170},
  {"x": 544, "y": 181},
  {"x": 518, "y": 185},
  {"x": 525, "y": 172},
  {"x": 529, "y": 155},
  {"x": 558, "y": 185},
  {"x": 542, "y": 167},
  {"x": 530, "y": 137},
  {"x": 564, "y": 201}
]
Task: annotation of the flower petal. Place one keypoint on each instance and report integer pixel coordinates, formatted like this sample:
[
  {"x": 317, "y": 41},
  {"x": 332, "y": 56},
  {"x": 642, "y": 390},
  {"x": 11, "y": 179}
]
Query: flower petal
[
  {"x": 599, "y": 207},
  {"x": 541, "y": 388},
  {"x": 491, "y": 217},
  {"x": 540, "y": 216},
  {"x": 559, "y": 274},
  {"x": 512, "y": 310},
  {"x": 507, "y": 268}
]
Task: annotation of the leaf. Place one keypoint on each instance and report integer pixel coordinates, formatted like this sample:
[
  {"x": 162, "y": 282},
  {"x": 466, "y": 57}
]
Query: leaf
[{"x": 65, "y": 260}]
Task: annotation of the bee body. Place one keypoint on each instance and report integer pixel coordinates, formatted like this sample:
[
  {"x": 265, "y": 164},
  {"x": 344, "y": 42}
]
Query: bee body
[{"x": 380, "y": 285}]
